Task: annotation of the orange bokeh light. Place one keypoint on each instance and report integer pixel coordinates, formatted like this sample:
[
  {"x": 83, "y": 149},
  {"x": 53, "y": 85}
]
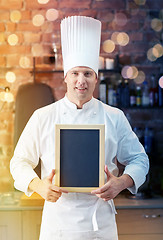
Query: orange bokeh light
[
  {"x": 161, "y": 81},
  {"x": 52, "y": 14},
  {"x": 108, "y": 46}
]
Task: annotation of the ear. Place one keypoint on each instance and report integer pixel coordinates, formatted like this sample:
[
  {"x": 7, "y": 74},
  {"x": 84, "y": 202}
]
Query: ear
[
  {"x": 96, "y": 78},
  {"x": 65, "y": 79}
]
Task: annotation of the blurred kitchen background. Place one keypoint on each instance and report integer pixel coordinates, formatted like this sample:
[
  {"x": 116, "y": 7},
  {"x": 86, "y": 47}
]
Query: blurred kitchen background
[{"x": 130, "y": 76}]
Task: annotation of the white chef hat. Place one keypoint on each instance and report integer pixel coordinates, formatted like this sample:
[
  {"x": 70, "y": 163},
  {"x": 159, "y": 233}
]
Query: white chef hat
[{"x": 80, "y": 40}]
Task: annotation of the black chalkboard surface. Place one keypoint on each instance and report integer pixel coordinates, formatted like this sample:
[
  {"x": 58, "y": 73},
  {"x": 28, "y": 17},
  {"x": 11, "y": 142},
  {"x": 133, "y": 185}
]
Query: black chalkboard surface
[{"x": 79, "y": 157}]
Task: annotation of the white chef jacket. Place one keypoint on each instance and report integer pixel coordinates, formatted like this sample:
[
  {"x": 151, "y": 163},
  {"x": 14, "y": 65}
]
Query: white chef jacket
[{"x": 77, "y": 215}]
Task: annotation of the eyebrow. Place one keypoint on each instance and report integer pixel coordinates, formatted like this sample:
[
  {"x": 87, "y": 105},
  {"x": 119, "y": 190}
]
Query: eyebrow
[{"x": 83, "y": 71}]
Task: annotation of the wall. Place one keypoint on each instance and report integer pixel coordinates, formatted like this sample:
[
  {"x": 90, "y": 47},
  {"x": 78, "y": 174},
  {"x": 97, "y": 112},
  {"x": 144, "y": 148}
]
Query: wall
[{"x": 31, "y": 38}]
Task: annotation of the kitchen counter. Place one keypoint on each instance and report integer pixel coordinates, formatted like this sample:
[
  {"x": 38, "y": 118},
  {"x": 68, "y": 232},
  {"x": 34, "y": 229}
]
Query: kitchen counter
[
  {"x": 20, "y": 217},
  {"x": 122, "y": 202},
  {"x": 19, "y": 202}
]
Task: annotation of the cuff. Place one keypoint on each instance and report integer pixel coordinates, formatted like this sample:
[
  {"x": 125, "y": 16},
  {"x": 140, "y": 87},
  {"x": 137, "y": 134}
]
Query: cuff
[{"x": 138, "y": 179}]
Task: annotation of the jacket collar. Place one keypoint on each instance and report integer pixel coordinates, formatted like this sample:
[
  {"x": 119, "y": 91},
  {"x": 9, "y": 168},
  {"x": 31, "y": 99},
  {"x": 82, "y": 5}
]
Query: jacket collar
[{"x": 73, "y": 105}]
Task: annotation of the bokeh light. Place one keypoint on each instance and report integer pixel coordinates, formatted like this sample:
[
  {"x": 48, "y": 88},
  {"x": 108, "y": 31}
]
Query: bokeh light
[
  {"x": 43, "y": 1},
  {"x": 6, "y": 96},
  {"x": 122, "y": 39},
  {"x": 125, "y": 71},
  {"x": 158, "y": 50},
  {"x": 24, "y": 62},
  {"x": 140, "y": 2},
  {"x": 10, "y": 77},
  {"x": 38, "y": 20},
  {"x": 15, "y": 16},
  {"x": 156, "y": 24},
  {"x": 37, "y": 50},
  {"x": 140, "y": 77},
  {"x": 120, "y": 19},
  {"x": 161, "y": 81},
  {"x": 108, "y": 46},
  {"x": 130, "y": 72},
  {"x": 114, "y": 37},
  {"x": 151, "y": 57},
  {"x": 52, "y": 14},
  {"x": 13, "y": 39},
  {"x": 133, "y": 72}
]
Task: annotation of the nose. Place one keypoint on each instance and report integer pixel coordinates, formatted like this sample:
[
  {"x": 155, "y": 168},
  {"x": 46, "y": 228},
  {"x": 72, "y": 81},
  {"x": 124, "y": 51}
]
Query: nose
[{"x": 81, "y": 79}]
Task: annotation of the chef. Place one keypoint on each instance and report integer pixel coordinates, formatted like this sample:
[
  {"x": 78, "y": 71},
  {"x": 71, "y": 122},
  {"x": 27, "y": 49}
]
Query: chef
[{"x": 78, "y": 216}]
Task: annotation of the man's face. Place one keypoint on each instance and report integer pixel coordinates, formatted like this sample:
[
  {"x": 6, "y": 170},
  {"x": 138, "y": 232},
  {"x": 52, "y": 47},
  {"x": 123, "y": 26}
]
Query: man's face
[{"x": 81, "y": 82}]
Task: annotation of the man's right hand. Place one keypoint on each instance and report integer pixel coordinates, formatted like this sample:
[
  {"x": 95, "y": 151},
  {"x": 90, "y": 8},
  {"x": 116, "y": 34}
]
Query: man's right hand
[{"x": 46, "y": 189}]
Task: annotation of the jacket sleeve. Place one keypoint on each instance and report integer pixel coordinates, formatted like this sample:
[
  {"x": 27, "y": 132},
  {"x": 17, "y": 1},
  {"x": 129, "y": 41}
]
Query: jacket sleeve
[
  {"x": 131, "y": 153},
  {"x": 26, "y": 156}
]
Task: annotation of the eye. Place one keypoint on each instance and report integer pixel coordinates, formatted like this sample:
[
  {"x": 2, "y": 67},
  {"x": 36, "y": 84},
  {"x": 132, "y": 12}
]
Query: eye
[
  {"x": 74, "y": 73},
  {"x": 88, "y": 74}
]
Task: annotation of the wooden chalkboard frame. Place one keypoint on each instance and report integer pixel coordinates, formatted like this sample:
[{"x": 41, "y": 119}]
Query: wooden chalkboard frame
[{"x": 101, "y": 155}]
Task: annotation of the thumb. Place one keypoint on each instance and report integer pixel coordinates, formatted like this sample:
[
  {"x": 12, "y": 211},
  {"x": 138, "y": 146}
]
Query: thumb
[
  {"x": 50, "y": 177},
  {"x": 108, "y": 174}
]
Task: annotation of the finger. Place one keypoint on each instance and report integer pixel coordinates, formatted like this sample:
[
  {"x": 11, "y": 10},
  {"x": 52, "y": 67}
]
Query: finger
[
  {"x": 64, "y": 190},
  {"x": 55, "y": 194},
  {"x": 50, "y": 177},
  {"x": 104, "y": 196},
  {"x": 53, "y": 198},
  {"x": 55, "y": 188},
  {"x": 98, "y": 191},
  {"x": 102, "y": 193},
  {"x": 58, "y": 189},
  {"x": 102, "y": 189}
]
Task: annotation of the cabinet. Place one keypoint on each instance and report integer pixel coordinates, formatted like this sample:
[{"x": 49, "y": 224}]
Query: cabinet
[
  {"x": 31, "y": 224},
  {"x": 10, "y": 225},
  {"x": 135, "y": 224},
  {"x": 136, "y": 220},
  {"x": 140, "y": 224},
  {"x": 20, "y": 224}
]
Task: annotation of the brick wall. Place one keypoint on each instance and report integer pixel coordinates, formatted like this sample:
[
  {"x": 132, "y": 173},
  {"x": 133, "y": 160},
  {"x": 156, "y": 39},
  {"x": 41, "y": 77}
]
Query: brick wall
[{"x": 138, "y": 27}]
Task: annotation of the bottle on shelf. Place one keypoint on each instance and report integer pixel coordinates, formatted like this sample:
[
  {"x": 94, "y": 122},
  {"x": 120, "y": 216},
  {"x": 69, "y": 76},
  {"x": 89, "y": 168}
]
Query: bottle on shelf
[
  {"x": 115, "y": 98},
  {"x": 123, "y": 93},
  {"x": 126, "y": 94},
  {"x": 138, "y": 96},
  {"x": 102, "y": 88},
  {"x": 119, "y": 93},
  {"x": 153, "y": 92},
  {"x": 111, "y": 95},
  {"x": 145, "y": 94},
  {"x": 132, "y": 95}
]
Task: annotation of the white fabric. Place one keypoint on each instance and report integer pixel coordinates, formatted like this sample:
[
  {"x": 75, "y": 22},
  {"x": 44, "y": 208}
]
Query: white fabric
[
  {"x": 80, "y": 40},
  {"x": 77, "y": 215}
]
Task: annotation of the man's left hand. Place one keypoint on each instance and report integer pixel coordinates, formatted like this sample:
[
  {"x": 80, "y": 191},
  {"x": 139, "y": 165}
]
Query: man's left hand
[{"x": 113, "y": 186}]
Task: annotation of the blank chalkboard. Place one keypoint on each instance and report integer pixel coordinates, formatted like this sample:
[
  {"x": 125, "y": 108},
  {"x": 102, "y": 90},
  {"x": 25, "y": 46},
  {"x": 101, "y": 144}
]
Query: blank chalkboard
[{"x": 79, "y": 157}]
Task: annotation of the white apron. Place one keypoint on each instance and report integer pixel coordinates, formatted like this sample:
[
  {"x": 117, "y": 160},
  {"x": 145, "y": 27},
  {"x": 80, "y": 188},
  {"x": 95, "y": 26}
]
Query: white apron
[{"x": 78, "y": 216}]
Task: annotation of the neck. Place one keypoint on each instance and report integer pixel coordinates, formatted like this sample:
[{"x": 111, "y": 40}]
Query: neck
[{"x": 79, "y": 103}]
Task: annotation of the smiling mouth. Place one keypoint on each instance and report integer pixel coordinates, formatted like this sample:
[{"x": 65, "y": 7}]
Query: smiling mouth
[{"x": 80, "y": 89}]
